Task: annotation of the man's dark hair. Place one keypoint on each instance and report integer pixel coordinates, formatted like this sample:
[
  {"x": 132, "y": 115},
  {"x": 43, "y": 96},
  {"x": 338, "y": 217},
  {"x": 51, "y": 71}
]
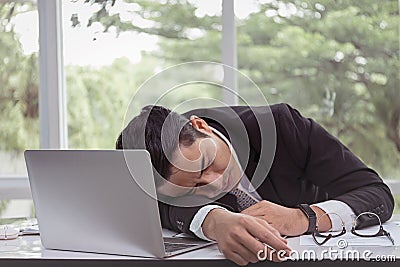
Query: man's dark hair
[{"x": 148, "y": 124}]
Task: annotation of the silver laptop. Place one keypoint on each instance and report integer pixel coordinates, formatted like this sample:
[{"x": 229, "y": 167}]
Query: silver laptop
[{"x": 88, "y": 200}]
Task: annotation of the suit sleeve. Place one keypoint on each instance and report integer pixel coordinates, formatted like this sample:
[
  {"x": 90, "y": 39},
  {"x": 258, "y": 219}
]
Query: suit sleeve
[
  {"x": 178, "y": 219},
  {"x": 329, "y": 164}
]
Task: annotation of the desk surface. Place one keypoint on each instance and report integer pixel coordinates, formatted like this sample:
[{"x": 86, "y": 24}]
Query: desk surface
[{"x": 30, "y": 248}]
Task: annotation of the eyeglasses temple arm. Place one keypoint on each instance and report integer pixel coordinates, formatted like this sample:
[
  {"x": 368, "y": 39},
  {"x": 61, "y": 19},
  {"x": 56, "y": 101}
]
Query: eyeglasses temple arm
[{"x": 390, "y": 237}]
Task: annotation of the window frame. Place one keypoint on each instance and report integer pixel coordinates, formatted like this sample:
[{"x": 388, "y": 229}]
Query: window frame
[
  {"x": 52, "y": 89},
  {"x": 52, "y": 94}
]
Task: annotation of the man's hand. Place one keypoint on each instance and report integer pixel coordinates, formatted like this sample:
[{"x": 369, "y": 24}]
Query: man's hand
[
  {"x": 288, "y": 221},
  {"x": 240, "y": 237}
]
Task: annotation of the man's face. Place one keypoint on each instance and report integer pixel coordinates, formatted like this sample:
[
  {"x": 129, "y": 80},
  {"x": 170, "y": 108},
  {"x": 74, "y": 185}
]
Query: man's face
[{"x": 207, "y": 167}]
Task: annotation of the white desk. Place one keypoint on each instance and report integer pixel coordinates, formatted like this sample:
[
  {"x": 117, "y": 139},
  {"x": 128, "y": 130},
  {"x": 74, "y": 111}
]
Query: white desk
[
  {"x": 28, "y": 249},
  {"x": 31, "y": 247}
]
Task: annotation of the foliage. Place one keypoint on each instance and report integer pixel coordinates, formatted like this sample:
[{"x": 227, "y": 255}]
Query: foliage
[
  {"x": 337, "y": 61},
  {"x": 19, "y": 89},
  {"x": 97, "y": 101},
  {"x": 3, "y": 206}
]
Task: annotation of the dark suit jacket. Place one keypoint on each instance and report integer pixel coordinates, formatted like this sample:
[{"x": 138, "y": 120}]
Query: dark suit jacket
[{"x": 310, "y": 166}]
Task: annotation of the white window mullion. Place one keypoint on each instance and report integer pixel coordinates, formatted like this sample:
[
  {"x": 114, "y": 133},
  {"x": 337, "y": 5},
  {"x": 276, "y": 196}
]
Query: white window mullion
[
  {"x": 229, "y": 54},
  {"x": 52, "y": 96}
]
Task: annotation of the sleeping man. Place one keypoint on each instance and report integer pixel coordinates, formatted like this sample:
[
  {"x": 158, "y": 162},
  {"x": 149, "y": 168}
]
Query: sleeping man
[{"x": 312, "y": 179}]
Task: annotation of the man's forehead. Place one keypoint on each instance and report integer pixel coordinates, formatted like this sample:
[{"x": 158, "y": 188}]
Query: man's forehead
[
  {"x": 188, "y": 153},
  {"x": 183, "y": 169},
  {"x": 182, "y": 177},
  {"x": 187, "y": 158}
]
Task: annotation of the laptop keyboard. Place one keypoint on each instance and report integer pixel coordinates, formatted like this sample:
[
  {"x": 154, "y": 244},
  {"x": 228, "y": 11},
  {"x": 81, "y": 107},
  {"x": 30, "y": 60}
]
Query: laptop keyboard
[{"x": 171, "y": 246}]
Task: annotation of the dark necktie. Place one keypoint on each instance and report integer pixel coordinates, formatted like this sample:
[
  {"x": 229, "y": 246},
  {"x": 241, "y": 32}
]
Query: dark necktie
[{"x": 244, "y": 200}]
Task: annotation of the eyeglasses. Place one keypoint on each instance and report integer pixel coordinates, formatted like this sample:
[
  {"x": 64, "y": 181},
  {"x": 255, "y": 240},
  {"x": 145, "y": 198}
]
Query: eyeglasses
[{"x": 375, "y": 231}]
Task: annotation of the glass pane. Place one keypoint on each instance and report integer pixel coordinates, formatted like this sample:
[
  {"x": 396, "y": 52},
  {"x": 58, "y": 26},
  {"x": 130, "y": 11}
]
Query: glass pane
[
  {"x": 19, "y": 78},
  {"x": 16, "y": 208},
  {"x": 19, "y": 110},
  {"x": 110, "y": 50},
  {"x": 336, "y": 61}
]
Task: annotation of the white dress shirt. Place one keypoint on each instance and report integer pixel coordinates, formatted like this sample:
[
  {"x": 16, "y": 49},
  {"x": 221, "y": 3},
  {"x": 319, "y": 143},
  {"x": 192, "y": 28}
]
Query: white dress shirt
[{"x": 332, "y": 207}]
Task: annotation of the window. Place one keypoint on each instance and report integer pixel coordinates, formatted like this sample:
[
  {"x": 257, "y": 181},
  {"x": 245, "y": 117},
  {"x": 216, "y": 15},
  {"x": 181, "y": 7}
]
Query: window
[
  {"x": 337, "y": 62},
  {"x": 110, "y": 50},
  {"x": 19, "y": 107}
]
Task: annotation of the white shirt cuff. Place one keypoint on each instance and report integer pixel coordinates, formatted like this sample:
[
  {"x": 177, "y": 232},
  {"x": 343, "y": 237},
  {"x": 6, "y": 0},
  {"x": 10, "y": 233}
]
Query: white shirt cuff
[
  {"x": 198, "y": 219},
  {"x": 341, "y": 209}
]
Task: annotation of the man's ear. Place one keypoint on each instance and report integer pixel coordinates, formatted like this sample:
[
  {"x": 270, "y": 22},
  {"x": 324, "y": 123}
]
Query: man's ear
[{"x": 200, "y": 124}]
